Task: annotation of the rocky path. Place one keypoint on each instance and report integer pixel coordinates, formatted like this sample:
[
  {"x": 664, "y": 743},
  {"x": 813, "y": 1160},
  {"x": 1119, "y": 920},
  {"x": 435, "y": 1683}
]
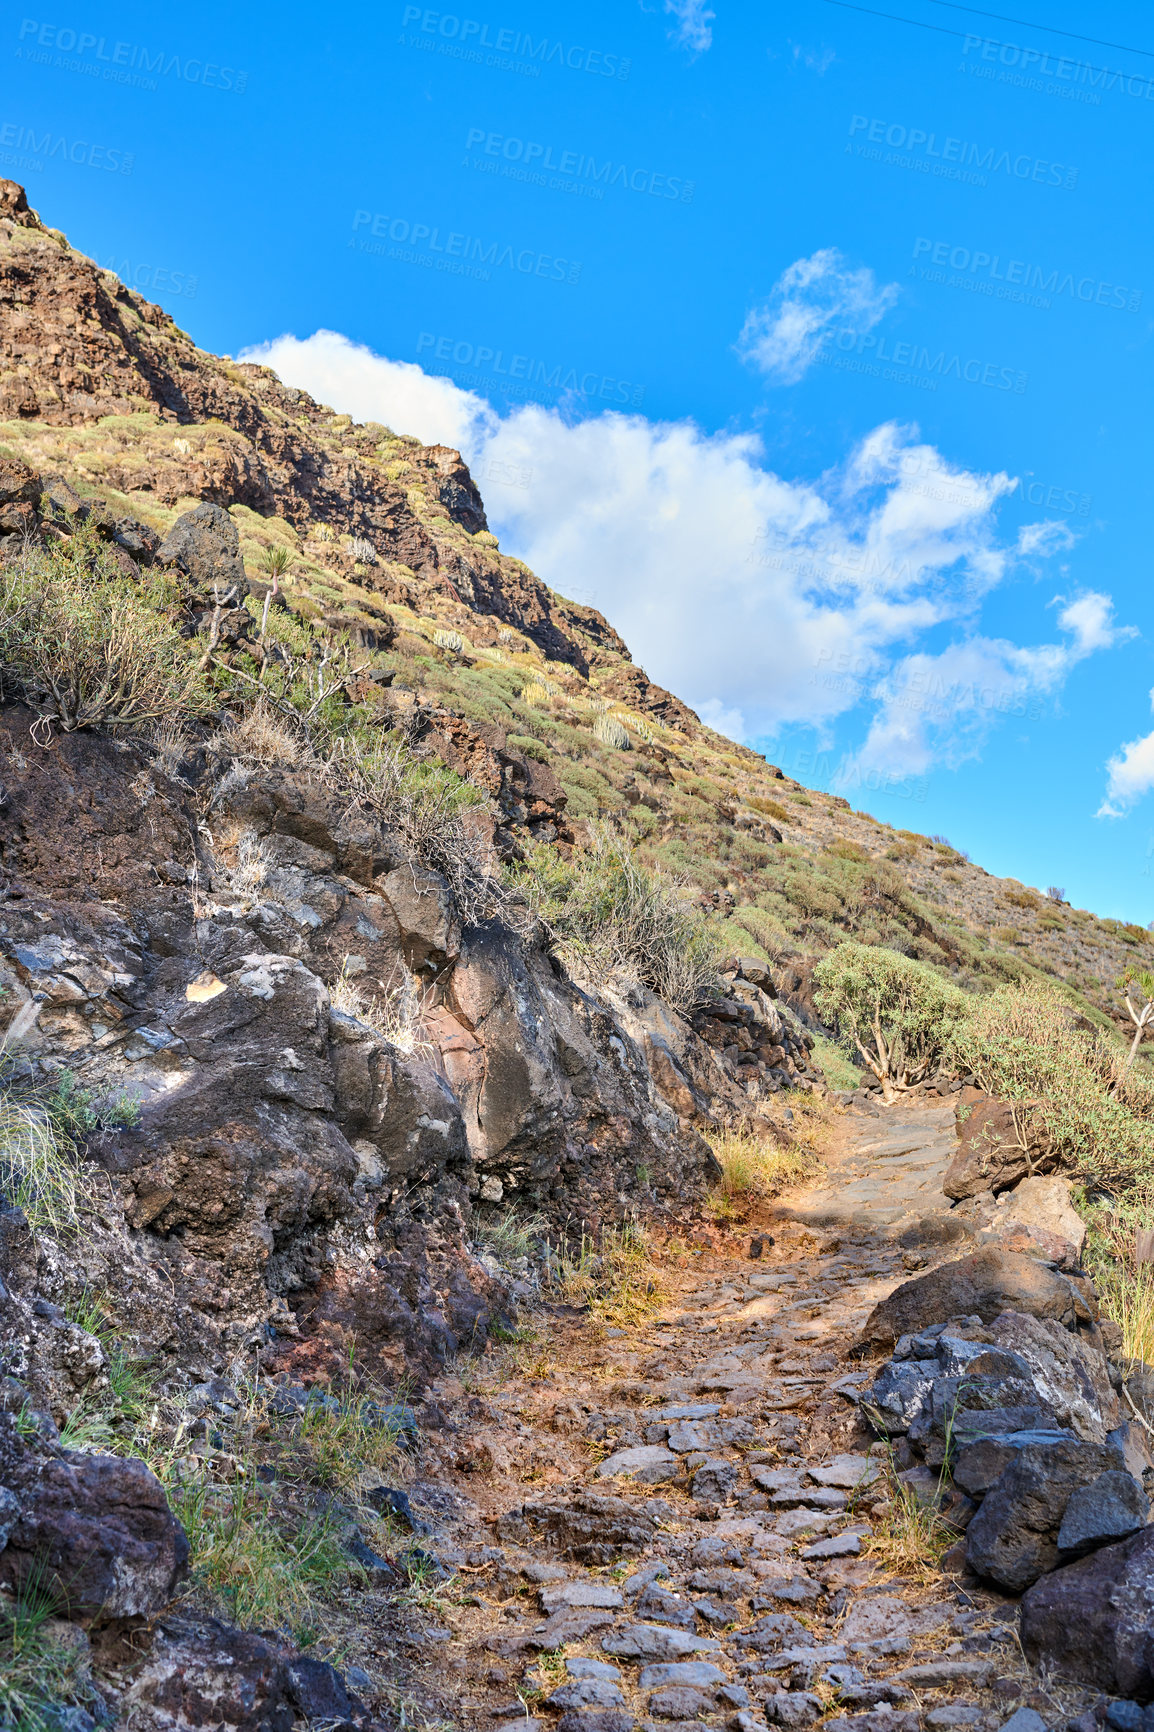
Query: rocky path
[{"x": 684, "y": 1523}]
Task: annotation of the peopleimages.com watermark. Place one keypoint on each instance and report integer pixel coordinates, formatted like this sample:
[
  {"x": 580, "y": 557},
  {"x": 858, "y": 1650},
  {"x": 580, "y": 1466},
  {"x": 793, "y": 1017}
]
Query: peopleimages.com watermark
[
  {"x": 952, "y": 158},
  {"x": 922, "y": 690},
  {"x": 120, "y": 62},
  {"x": 488, "y": 362},
  {"x": 817, "y": 769},
  {"x": 459, "y": 254},
  {"x": 922, "y": 474},
  {"x": 38, "y": 149},
  {"x": 153, "y": 279},
  {"x": 502, "y": 474},
  {"x": 503, "y": 47},
  {"x": 913, "y": 363},
  {"x": 1076, "y": 78},
  {"x": 1015, "y": 279},
  {"x": 500, "y": 154},
  {"x": 861, "y": 568}
]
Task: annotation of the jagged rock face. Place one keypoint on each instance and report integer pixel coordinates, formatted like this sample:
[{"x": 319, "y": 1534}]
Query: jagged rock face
[
  {"x": 295, "y": 1179},
  {"x": 75, "y": 345}
]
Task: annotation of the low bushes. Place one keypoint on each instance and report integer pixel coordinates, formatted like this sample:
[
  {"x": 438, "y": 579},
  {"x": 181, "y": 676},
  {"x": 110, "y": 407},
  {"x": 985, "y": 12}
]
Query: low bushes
[
  {"x": 1029, "y": 1046},
  {"x": 86, "y": 646},
  {"x": 609, "y": 914}
]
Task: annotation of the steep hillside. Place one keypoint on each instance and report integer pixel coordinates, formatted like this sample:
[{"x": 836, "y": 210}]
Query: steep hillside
[
  {"x": 391, "y": 1157},
  {"x": 385, "y": 543}
]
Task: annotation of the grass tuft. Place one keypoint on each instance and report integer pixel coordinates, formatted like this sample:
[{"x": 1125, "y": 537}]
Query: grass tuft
[
  {"x": 615, "y": 1278},
  {"x": 754, "y": 1169}
]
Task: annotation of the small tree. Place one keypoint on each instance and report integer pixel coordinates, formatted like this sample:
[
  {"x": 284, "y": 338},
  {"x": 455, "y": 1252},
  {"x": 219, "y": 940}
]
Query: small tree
[
  {"x": 1137, "y": 984},
  {"x": 899, "y": 1014}
]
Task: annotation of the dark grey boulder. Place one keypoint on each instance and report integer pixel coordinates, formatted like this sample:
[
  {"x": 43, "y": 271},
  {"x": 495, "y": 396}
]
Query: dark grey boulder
[
  {"x": 980, "y": 1463},
  {"x": 1107, "y": 1598},
  {"x": 205, "y": 546},
  {"x": 1013, "y": 1539},
  {"x": 95, "y": 1531},
  {"x": 1110, "y": 1508}
]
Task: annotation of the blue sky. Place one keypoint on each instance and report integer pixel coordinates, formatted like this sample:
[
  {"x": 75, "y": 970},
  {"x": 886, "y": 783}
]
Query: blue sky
[{"x": 811, "y": 345}]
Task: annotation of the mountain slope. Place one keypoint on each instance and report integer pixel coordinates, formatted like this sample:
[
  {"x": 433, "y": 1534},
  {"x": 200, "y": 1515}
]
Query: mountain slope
[{"x": 387, "y": 545}]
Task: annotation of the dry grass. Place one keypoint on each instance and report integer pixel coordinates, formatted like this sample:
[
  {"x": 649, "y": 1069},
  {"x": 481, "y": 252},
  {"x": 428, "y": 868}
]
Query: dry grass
[
  {"x": 395, "y": 1008},
  {"x": 263, "y": 734},
  {"x": 615, "y": 1280},
  {"x": 909, "y": 1536},
  {"x": 754, "y": 1169},
  {"x": 1124, "y": 1286}
]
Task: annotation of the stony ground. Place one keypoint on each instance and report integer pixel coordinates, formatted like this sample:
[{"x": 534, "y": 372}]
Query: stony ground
[{"x": 687, "y": 1521}]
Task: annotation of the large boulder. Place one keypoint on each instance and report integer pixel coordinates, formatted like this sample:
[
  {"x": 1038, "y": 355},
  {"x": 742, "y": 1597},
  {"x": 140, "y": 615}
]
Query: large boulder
[
  {"x": 1107, "y": 1601},
  {"x": 984, "y": 1284},
  {"x": 202, "y": 1673},
  {"x": 1070, "y": 1374},
  {"x": 205, "y": 545},
  {"x": 1044, "y": 1203},
  {"x": 1013, "y": 1539},
  {"x": 95, "y": 1531},
  {"x": 996, "y": 1148}
]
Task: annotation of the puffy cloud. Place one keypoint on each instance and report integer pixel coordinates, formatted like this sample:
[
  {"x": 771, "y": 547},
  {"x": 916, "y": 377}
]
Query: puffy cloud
[
  {"x": 762, "y": 601},
  {"x": 369, "y": 387},
  {"x": 693, "y": 27},
  {"x": 811, "y": 298},
  {"x": 940, "y": 708},
  {"x": 1129, "y": 775}
]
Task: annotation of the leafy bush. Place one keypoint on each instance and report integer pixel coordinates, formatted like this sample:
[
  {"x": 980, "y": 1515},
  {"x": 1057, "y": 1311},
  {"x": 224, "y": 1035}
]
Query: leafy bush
[
  {"x": 1029, "y": 1046},
  {"x": 898, "y": 1013},
  {"x": 88, "y": 647},
  {"x": 449, "y": 640},
  {"x": 607, "y": 914}
]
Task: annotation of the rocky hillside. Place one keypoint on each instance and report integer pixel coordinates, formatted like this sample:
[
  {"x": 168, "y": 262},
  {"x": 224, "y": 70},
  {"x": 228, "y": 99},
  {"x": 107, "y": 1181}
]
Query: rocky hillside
[
  {"x": 316, "y": 1132},
  {"x": 386, "y": 542}
]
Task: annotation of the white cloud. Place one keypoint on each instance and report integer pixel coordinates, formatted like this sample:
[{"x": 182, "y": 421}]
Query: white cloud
[
  {"x": 1090, "y": 620},
  {"x": 1044, "y": 539},
  {"x": 693, "y": 27},
  {"x": 810, "y": 298},
  {"x": 1129, "y": 775},
  {"x": 731, "y": 723},
  {"x": 940, "y": 708},
  {"x": 369, "y": 387},
  {"x": 760, "y": 600}
]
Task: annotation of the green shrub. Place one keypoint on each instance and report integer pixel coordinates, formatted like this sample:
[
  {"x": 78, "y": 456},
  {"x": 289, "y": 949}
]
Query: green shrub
[
  {"x": 87, "y": 646},
  {"x": 1026, "y": 1044},
  {"x": 607, "y": 913},
  {"x": 771, "y": 808},
  {"x": 898, "y": 1013}
]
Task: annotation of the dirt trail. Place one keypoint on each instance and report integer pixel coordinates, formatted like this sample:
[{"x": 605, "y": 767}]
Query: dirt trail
[{"x": 674, "y": 1524}]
